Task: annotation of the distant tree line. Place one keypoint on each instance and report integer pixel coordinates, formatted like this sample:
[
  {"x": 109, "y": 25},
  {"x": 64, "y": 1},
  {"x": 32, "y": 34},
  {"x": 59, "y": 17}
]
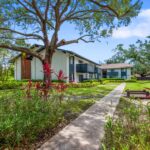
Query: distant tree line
[{"x": 137, "y": 54}]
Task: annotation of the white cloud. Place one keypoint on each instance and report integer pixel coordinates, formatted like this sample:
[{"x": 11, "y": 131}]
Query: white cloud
[{"x": 140, "y": 27}]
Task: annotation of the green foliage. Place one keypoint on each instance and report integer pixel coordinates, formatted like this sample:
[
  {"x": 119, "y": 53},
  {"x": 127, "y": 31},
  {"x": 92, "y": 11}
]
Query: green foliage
[
  {"x": 10, "y": 85},
  {"x": 82, "y": 85},
  {"x": 92, "y": 80},
  {"x": 98, "y": 90},
  {"x": 117, "y": 80},
  {"x": 89, "y": 17},
  {"x": 130, "y": 130},
  {"x": 23, "y": 120}
]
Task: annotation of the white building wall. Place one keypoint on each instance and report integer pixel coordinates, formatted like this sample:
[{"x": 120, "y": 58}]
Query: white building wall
[
  {"x": 33, "y": 71},
  {"x": 36, "y": 69},
  {"x": 60, "y": 61},
  {"x": 18, "y": 69},
  {"x": 128, "y": 73}
]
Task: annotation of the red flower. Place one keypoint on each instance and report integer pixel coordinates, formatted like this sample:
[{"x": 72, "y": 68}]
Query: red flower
[
  {"x": 61, "y": 87},
  {"x": 29, "y": 83},
  {"x": 61, "y": 76},
  {"x": 37, "y": 85}
]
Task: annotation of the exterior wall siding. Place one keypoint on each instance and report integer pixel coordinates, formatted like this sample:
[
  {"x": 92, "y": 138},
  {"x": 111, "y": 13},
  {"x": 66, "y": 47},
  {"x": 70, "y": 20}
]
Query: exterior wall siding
[
  {"x": 60, "y": 62},
  {"x": 129, "y": 73},
  {"x": 18, "y": 69}
]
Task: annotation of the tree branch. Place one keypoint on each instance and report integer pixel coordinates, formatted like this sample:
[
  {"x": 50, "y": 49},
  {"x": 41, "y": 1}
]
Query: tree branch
[
  {"x": 107, "y": 7},
  {"x": 63, "y": 42},
  {"x": 15, "y": 38},
  {"x": 38, "y": 13},
  {"x": 29, "y": 10},
  {"x": 65, "y": 8},
  {"x": 20, "y": 33},
  {"x": 47, "y": 8},
  {"x": 21, "y": 49}
]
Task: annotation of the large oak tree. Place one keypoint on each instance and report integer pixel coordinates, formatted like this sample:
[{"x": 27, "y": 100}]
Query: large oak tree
[{"x": 38, "y": 19}]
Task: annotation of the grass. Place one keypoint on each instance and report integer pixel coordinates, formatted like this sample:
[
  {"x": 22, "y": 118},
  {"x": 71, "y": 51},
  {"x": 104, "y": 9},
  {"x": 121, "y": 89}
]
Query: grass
[
  {"x": 99, "y": 89},
  {"x": 139, "y": 85},
  {"x": 24, "y": 121},
  {"x": 130, "y": 130},
  {"x": 96, "y": 90}
]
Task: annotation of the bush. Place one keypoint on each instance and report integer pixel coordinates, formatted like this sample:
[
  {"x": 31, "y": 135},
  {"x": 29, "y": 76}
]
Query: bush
[
  {"x": 91, "y": 80},
  {"x": 11, "y": 85},
  {"x": 24, "y": 121},
  {"x": 131, "y": 80},
  {"x": 130, "y": 130},
  {"x": 58, "y": 81},
  {"x": 113, "y": 79},
  {"x": 107, "y": 80},
  {"x": 82, "y": 85},
  {"x": 118, "y": 80}
]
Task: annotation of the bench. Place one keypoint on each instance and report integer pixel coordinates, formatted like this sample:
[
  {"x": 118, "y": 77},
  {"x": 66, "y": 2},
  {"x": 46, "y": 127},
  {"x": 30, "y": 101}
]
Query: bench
[{"x": 145, "y": 94}]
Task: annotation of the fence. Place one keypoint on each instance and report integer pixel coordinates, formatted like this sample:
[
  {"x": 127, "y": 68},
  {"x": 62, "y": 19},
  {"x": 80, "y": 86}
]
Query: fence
[{"x": 143, "y": 78}]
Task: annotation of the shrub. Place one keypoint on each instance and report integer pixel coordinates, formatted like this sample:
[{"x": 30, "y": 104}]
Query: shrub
[
  {"x": 130, "y": 130},
  {"x": 11, "y": 85},
  {"x": 24, "y": 121},
  {"x": 82, "y": 85},
  {"x": 116, "y": 79},
  {"x": 91, "y": 80},
  {"x": 131, "y": 80},
  {"x": 57, "y": 81}
]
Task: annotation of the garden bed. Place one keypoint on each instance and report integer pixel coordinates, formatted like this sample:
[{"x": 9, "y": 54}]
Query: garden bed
[
  {"x": 129, "y": 128},
  {"x": 26, "y": 123}
]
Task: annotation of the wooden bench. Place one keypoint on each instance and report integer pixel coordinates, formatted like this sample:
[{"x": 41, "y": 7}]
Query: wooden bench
[{"x": 145, "y": 93}]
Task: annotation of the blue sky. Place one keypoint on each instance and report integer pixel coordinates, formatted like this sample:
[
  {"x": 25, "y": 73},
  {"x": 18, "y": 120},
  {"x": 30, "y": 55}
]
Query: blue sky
[{"x": 139, "y": 28}]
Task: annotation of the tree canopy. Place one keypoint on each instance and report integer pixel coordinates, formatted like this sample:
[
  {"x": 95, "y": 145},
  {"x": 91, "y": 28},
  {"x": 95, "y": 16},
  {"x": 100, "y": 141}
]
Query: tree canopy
[
  {"x": 41, "y": 20},
  {"x": 137, "y": 54}
]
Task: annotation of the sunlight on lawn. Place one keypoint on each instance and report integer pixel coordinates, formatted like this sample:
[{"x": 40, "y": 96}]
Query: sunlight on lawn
[{"x": 139, "y": 85}]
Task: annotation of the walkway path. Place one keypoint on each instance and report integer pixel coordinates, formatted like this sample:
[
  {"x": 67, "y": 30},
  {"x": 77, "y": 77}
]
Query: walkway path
[{"x": 86, "y": 132}]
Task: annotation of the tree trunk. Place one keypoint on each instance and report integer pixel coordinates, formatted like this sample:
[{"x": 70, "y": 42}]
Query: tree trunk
[{"x": 47, "y": 63}]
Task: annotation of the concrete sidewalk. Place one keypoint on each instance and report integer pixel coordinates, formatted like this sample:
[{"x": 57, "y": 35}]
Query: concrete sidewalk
[{"x": 86, "y": 132}]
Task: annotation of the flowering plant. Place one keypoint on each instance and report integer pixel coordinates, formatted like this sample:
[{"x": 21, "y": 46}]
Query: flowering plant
[{"x": 43, "y": 89}]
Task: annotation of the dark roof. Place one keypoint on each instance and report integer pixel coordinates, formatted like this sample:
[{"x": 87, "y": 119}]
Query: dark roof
[
  {"x": 116, "y": 66},
  {"x": 41, "y": 48},
  {"x": 77, "y": 55}
]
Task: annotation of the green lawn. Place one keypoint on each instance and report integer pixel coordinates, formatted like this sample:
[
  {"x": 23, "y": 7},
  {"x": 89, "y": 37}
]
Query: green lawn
[
  {"x": 139, "y": 85},
  {"x": 99, "y": 89}
]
